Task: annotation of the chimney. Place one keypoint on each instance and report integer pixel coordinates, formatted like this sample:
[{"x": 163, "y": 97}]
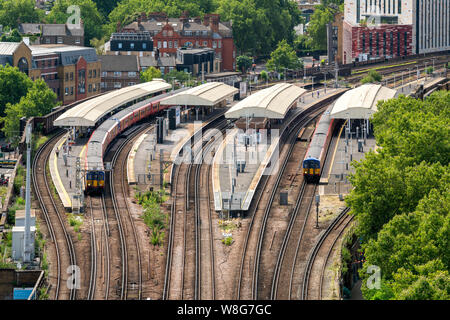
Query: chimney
[
  {"x": 118, "y": 26},
  {"x": 184, "y": 17},
  {"x": 206, "y": 20},
  {"x": 139, "y": 21},
  {"x": 143, "y": 16},
  {"x": 214, "y": 21},
  {"x": 198, "y": 20}
]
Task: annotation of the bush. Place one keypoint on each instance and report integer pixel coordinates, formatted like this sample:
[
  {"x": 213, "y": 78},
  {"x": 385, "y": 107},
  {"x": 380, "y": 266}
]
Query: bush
[
  {"x": 228, "y": 241},
  {"x": 19, "y": 180}
]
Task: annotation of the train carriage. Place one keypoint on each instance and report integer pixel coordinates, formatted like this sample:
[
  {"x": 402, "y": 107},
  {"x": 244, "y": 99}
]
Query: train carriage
[{"x": 318, "y": 148}]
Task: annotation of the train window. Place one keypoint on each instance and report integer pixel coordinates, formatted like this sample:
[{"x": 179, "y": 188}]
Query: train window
[{"x": 89, "y": 176}]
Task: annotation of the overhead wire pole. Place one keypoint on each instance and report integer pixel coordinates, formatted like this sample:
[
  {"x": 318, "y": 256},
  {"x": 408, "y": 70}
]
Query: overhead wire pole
[{"x": 27, "y": 252}]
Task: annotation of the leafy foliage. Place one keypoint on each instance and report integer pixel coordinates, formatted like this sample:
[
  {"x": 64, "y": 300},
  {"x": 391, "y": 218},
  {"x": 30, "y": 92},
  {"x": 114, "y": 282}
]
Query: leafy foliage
[
  {"x": 149, "y": 74},
  {"x": 372, "y": 77},
  {"x": 401, "y": 199},
  {"x": 244, "y": 63},
  {"x": 13, "y": 86},
  {"x": 13, "y": 12},
  {"x": 91, "y": 17},
  {"x": 13, "y": 36},
  {"x": 284, "y": 56}
]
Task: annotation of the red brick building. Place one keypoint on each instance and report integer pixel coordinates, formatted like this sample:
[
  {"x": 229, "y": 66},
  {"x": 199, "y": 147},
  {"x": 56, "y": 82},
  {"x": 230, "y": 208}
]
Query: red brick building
[
  {"x": 388, "y": 41},
  {"x": 171, "y": 33}
]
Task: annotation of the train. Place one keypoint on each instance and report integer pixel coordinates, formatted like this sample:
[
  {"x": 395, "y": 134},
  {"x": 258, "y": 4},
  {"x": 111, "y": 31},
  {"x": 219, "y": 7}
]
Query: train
[
  {"x": 318, "y": 148},
  {"x": 94, "y": 178}
]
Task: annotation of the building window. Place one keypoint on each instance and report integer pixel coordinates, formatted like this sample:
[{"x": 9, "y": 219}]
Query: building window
[
  {"x": 358, "y": 13},
  {"x": 47, "y": 40},
  {"x": 144, "y": 46},
  {"x": 363, "y": 42},
  {"x": 60, "y": 40},
  {"x": 219, "y": 55},
  {"x": 170, "y": 44},
  {"x": 66, "y": 91},
  {"x": 164, "y": 44},
  {"x": 67, "y": 76},
  {"x": 82, "y": 81},
  {"x": 205, "y": 43},
  {"x": 117, "y": 85},
  {"x": 188, "y": 33},
  {"x": 90, "y": 88},
  {"x": 205, "y": 33},
  {"x": 378, "y": 44},
  {"x": 220, "y": 44},
  {"x": 392, "y": 44},
  {"x": 131, "y": 84},
  {"x": 162, "y": 70},
  {"x": 197, "y": 44},
  {"x": 159, "y": 44},
  {"x": 132, "y": 45},
  {"x": 399, "y": 7},
  {"x": 117, "y": 74},
  {"x": 77, "y": 40},
  {"x": 384, "y": 43},
  {"x": 90, "y": 74},
  {"x": 406, "y": 43},
  {"x": 71, "y": 76},
  {"x": 119, "y": 45},
  {"x": 95, "y": 73},
  {"x": 175, "y": 44},
  {"x": 102, "y": 85},
  {"x": 104, "y": 74},
  {"x": 164, "y": 33},
  {"x": 71, "y": 91},
  {"x": 214, "y": 44},
  {"x": 170, "y": 33},
  {"x": 131, "y": 74},
  {"x": 370, "y": 43},
  {"x": 398, "y": 43}
]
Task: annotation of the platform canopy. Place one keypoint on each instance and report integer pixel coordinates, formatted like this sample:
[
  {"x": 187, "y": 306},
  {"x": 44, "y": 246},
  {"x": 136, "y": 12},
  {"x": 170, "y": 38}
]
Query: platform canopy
[
  {"x": 88, "y": 113},
  {"x": 208, "y": 94},
  {"x": 361, "y": 102},
  {"x": 272, "y": 103}
]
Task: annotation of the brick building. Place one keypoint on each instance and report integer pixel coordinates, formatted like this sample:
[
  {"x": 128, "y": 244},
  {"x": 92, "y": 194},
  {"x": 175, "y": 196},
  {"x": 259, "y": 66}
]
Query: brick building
[
  {"x": 130, "y": 43},
  {"x": 169, "y": 34},
  {"x": 69, "y": 34},
  {"x": 119, "y": 71},
  {"x": 378, "y": 28},
  {"x": 72, "y": 72}
]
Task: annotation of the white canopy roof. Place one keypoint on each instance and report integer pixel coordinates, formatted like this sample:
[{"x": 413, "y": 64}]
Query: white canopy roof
[
  {"x": 361, "y": 102},
  {"x": 87, "y": 114},
  {"x": 273, "y": 102},
  {"x": 208, "y": 94}
]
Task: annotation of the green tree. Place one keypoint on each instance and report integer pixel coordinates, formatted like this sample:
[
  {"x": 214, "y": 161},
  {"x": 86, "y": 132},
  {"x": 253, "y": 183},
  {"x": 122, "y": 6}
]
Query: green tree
[
  {"x": 244, "y": 63},
  {"x": 13, "y": 86},
  {"x": 106, "y": 6},
  {"x": 149, "y": 74},
  {"x": 264, "y": 75},
  {"x": 13, "y": 12},
  {"x": 38, "y": 101},
  {"x": 284, "y": 56},
  {"x": 13, "y": 36},
  {"x": 372, "y": 77},
  {"x": 317, "y": 30},
  {"x": 180, "y": 76},
  {"x": 99, "y": 45},
  {"x": 91, "y": 17}
]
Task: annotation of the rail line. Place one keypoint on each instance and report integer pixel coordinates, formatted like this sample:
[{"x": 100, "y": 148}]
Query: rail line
[
  {"x": 256, "y": 230},
  {"x": 315, "y": 266},
  {"x": 186, "y": 236},
  {"x": 64, "y": 248}
]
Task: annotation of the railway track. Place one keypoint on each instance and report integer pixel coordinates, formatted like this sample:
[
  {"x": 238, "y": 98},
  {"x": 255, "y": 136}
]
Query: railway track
[
  {"x": 319, "y": 259},
  {"x": 55, "y": 220},
  {"x": 249, "y": 278},
  {"x": 191, "y": 276},
  {"x": 99, "y": 250}
]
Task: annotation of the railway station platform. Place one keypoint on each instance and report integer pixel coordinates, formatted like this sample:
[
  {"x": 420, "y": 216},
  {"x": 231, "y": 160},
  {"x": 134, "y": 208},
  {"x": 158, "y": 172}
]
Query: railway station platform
[
  {"x": 63, "y": 164},
  {"x": 234, "y": 192},
  {"x": 143, "y": 163}
]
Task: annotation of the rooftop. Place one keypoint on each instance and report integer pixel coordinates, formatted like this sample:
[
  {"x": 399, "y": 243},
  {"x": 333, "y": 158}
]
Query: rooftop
[
  {"x": 88, "y": 113},
  {"x": 361, "y": 102},
  {"x": 208, "y": 94},
  {"x": 273, "y": 102},
  {"x": 119, "y": 63}
]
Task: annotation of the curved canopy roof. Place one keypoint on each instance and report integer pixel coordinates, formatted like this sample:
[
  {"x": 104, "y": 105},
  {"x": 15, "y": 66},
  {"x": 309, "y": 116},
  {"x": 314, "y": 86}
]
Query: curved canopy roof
[
  {"x": 361, "y": 102},
  {"x": 88, "y": 113},
  {"x": 273, "y": 102},
  {"x": 208, "y": 94}
]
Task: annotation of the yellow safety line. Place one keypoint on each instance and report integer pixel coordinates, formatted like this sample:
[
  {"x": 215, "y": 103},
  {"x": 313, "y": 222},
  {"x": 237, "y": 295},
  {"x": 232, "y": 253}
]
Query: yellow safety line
[
  {"x": 58, "y": 177},
  {"x": 335, "y": 149}
]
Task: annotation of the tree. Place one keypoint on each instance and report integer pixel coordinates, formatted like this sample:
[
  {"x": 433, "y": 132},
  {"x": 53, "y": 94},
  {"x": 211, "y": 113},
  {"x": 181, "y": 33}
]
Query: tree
[
  {"x": 149, "y": 74},
  {"x": 99, "y": 45},
  {"x": 106, "y": 6},
  {"x": 372, "y": 77},
  {"x": 91, "y": 17},
  {"x": 180, "y": 76},
  {"x": 13, "y": 36},
  {"x": 317, "y": 29},
  {"x": 38, "y": 101},
  {"x": 284, "y": 57},
  {"x": 264, "y": 75},
  {"x": 244, "y": 63},
  {"x": 13, "y": 86},
  {"x": 13, "y": 12}
]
